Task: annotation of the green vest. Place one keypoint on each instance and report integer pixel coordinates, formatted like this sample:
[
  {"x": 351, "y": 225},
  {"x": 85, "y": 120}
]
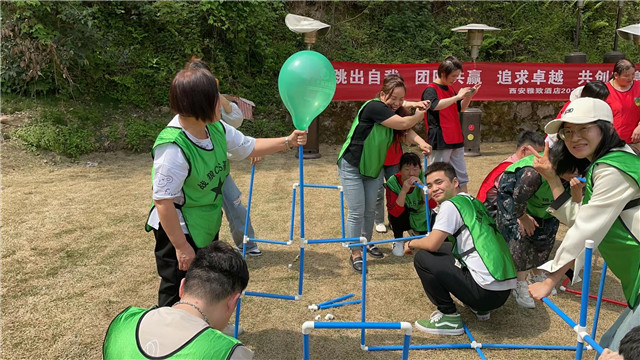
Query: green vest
[
  {"x": 414, "y": 203},
  {"x": 537, "y": 205},
  {"x": 620, "y": 248},
  {"x": 374, "y": 148},
  {"x": 487, "y": 240},
  {"x": 121, "y": 341},
  {"x": 208, "y": 169}
]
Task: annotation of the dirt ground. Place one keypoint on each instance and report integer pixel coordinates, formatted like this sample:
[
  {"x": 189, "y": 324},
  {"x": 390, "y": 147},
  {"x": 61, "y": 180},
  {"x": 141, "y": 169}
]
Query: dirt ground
[{"x": 75, "y": 253}]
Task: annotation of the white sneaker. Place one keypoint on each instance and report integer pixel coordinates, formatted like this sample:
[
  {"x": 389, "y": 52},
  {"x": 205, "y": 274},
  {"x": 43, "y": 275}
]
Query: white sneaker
[
  {"x": 381, "y": 228},
  {"x": 521, "y": 293},
  {"x": 230, "y": 329},
  {"x": 398, "y": 248},
  {"x": 534, "y": 278}
]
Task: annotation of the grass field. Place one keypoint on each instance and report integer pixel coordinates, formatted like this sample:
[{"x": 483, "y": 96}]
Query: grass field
[{"x": 75, "y": 253}]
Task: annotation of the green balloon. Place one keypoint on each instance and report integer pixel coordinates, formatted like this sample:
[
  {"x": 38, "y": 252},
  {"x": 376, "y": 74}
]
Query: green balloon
[{"x": 306, "y": 84}]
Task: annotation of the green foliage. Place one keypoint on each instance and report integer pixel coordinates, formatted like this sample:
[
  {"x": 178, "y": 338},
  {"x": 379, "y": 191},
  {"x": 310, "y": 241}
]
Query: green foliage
[
  {"x": 52, "y": 133},
  {"x": 140, "y": 135},
  {"x": 128, "y": 52}
]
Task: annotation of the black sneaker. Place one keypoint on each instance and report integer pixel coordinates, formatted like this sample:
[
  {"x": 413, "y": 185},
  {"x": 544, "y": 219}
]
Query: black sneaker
[
  {"x": 356, "y": 264},
  {"x": 375, "y": 252}
]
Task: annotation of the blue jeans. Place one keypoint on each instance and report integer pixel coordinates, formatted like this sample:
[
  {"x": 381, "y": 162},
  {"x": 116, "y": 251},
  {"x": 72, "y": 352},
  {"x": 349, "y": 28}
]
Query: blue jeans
[
  {"x": 236, "y": 214},
  {"x": 360, "y": 193},
  {"x": 387, "y": 172}
]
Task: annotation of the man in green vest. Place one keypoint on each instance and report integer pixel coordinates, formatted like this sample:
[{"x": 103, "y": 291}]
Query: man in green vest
[
  {"x": 475, "y": 265},
  {"x": 191, "y": 328}
]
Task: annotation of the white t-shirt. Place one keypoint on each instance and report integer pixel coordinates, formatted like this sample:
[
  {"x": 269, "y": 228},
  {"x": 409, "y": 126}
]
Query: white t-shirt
[
  {"x": 234, "y": 118},
  {"x": 171, "y": 167},
  {"x": 449, "y": 220},
  {"x": 164, "y": 330}
]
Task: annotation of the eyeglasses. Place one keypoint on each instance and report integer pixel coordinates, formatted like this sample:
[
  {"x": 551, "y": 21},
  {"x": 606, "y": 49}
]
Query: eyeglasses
[{"x": 565, "y": 133}]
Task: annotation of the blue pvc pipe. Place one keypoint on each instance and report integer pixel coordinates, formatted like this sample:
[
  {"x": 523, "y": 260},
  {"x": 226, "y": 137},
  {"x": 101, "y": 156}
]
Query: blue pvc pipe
[
  {"x": 478, "y": 350},
  {"x": 525, "y": 346},
  {"x": 363, "y": 297},
  {"x": 419, "y": 347},
  {"x": 237, "y": 324},
  {"x": 293, "y": 213},
  {"x": 321, "y": 186},
  {"x": 357, "y": 325},
  {"x": 581, "y": 179},
  {"x": 418, "y": 185},
  {"x": 269, "y": 241},
  {"x": 338, "y": 304},
  {"x": 342, "y": 211},
  {"x": 301, "y": 275},
  {"x": 336, "y": 299},
  {"x": 305, "y": 346},
  {"x": 405, "y": 348},
  {"x": 269, "y": 295},
  {"x": 603, "y": 276},
  {"x": 584, "y": 299},
  {"x": 428, "y": 213},
  {"x": 323, "y": 241},
  {"x": 386, "y": 241},
  {"x": 300, "y": 158},
  {"x": 572, "y": 324}
]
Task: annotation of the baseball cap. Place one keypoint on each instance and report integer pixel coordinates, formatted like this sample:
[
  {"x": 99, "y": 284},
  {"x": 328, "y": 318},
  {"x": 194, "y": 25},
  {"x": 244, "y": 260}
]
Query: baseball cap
[{"x": 581, "y": 111}]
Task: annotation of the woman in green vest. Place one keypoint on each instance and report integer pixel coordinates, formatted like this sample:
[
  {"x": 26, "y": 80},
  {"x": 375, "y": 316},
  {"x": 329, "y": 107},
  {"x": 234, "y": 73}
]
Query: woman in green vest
[
  {"x": 363, "y": 153},
  {"x": 189, "y": 168},
  {"x": 405, "y": 201},
  {"x": 522, "y": 218},
  {"x": 610, "y": 210}
]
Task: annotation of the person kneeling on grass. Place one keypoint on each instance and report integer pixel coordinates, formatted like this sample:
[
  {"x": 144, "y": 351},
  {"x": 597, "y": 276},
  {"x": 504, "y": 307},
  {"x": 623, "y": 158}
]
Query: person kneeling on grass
[
  {"x": 405, "y": 202},
  {"x": 475, "y": 265},
  {"x": 191, "y": 328}
]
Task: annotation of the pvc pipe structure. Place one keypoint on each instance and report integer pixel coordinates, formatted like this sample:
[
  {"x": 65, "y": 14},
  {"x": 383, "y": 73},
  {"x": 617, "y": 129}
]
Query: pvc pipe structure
[
  {"x": 336, "y": 240},
  {"x": 271, "y": 241},
  {"x": 386, "y": 241},
  {"x": 310, "y": 325},
  {"x": 301, "y": 275},
  {"x": 591, "y": 296},
  {"x": 246, "y": 218},
  {"x": 363, "y": 296},
  {"x": 345, "y": 297},
  {"x": 269, "y": 295},
  {"x": 596, "y": 315},
  {"x": 321, "y": 186},
  {"x": 474, "y": 344},
  {"x": 293, "y": 211},
  {"x": 571, "y": 323},
  {"x": 342, "y": 209},
  {"x": 584, "y": 301},
  {"x": 338, "y": 304}
]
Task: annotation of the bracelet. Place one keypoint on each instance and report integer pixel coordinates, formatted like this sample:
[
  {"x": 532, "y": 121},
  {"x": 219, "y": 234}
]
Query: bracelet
[
  {"x": 286, "y": 142},
  {"x": 409, "y": 244}
]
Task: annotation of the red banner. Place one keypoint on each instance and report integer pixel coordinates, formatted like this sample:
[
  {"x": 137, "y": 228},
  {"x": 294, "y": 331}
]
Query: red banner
[{"x": 500, "y": 81}]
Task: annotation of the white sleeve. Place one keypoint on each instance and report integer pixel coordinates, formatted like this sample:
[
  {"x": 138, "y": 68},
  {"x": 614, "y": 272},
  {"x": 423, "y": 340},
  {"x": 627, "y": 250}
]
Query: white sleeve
[
  {"x": 234, "y": 118},
  {"x": 612, "y": 190},
  {"x": 239, "y": 146},
  {"x": 448, "y": 219},
  {"x": 170, "y": 171}
]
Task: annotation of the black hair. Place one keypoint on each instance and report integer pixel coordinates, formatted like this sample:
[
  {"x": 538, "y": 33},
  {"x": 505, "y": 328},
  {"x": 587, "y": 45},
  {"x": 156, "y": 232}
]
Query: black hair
[
  {"x": 449, "y": 65},
  {"x": 610, "y": 140},
  {"x": 630, "y": 344},
  {"x": 595, "y": 89},
  {"x": 621, "y": 66},
  {"x": 449, "y": 171},
  {"x": 410, "y": 158},
  {"x": 194, "y": 93},
  {"x": 561, "y": 166},
  {"x": 217, "y": 272},
  {"x": 529, "y": 138}
]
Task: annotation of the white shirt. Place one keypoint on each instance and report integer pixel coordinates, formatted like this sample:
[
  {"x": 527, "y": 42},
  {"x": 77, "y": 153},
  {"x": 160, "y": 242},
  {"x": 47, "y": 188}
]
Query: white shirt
[
  {"x": 234, "y": 118},
  {"x": 612, "y": 190},
  {"x": 164, "y": 330},
  {"x": 449, "y": 220},
  {"x": 171, "y": 167}
]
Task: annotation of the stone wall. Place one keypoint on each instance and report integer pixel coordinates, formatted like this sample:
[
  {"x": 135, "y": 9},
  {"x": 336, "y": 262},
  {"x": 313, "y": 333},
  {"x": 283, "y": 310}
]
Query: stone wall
[{"x": 501, "y": 120}]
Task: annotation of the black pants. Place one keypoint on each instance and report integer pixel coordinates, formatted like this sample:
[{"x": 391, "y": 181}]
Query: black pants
[
  {"x": 441, "y": 277},
  {"x": 401, "y": 224},
  {"x": 167, "y": 264}
]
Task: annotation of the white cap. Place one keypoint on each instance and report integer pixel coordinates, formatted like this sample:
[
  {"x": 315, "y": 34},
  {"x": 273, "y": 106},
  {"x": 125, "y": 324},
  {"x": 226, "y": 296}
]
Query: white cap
[{"x": 581, "y": 111}]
